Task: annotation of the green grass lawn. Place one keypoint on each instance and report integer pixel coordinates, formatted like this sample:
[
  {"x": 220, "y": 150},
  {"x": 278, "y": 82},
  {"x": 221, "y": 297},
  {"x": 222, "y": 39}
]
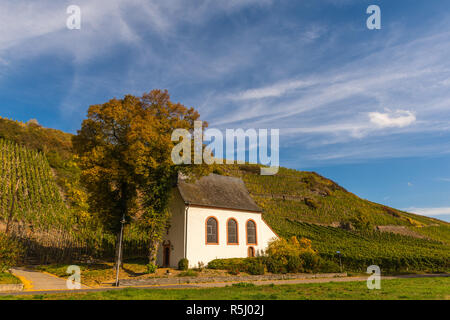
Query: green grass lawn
[
  {"x": 418, "y": 288},
  {"x": 8, "y": 278}
]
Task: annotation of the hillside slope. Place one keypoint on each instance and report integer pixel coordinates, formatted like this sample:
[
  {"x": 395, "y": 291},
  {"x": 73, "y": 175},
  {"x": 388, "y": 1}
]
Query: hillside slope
[
  {"x": 28, "y": 191},
  {"x": 295, "y": 203},
  {"x": 305, "y": 204}
]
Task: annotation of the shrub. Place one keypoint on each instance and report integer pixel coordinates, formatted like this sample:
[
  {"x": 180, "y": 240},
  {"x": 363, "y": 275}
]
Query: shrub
[
  {"x": 11, "y": 252},
  {"x": 294, "y": 264},
  {"x": 328, "y": 266},
  {"x": 188, "y": 273},
  {"x": 228, "y": 264},
  {"x": 291, "y": 256},
  {"x": 234, "y": 271},
  {"x": 243, "y": 285},
  {"x": 311, "y": 261},
  {"x": 275, "y": 265},
  {"x": 183, "y": 264},
  {"x": 151, "y": 268},
  {"x": 256, "y": 267}
]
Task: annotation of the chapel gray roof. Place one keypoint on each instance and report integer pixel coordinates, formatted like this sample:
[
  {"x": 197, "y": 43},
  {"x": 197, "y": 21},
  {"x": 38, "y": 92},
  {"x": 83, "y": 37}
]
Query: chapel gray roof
[{"x": 217, "y": 191}]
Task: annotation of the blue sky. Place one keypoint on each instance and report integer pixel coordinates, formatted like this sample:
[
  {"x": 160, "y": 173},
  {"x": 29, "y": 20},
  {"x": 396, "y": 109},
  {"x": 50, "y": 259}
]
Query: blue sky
[{"x": 369, "y": 109}]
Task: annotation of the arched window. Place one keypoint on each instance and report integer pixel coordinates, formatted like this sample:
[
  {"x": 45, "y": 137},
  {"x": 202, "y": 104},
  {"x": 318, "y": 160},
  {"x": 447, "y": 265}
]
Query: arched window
[
  {"x": 251, "y": 232},
  {"x": 212, "y": 236},
  {"x": 232, "y": 232},
  {"x": 251, "y": 252}
]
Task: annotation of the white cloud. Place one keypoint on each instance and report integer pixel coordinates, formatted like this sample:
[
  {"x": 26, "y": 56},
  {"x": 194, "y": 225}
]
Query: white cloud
[
  {"x": 275, "y": 90},
  {"x": 398, "y": 118},
  {"x": 429, "y": 211},
  {"x": 410, "y": 184}
]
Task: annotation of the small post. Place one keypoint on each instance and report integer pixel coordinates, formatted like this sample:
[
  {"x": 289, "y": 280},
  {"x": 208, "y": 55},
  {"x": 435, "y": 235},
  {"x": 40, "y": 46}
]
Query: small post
[
  {"x": 119, "y": 254},
  {"x": 340, "y": 260}
]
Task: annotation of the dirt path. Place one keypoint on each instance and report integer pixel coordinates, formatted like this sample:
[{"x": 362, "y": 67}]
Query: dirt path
[{"x": 40, "y": 281}]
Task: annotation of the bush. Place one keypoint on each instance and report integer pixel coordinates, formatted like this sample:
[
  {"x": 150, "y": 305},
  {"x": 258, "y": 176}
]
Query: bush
[
  {"x": 275, "y": 265},
  {"x": 11, "y": 252},
  {"x": 256, "y": 267},
  {"x": 228, "y": 264},
  {"x": 235, "y": 266},
  {"x": 328, "y": 266},
  {"x": 294, "y": 264},
  {"x": 151, "y": 268},
  {"x": 291, "y": 256},
  {"x": 183, "y": 264},
  {"x": 243, "y": 285},
  {"x": 188, "y": 273},
  {"x": 311, "y": 261},
  {"x": 234, "y": 271}
]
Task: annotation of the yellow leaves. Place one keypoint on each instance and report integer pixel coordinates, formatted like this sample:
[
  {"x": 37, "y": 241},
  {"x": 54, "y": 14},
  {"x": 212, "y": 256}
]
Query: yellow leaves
[{"x": 284, "y": 248}]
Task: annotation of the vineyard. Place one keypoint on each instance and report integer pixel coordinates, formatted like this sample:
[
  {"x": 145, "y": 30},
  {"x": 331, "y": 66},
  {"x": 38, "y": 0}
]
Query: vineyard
[
  {"x": 304, "y": 204},
  {"x": 28, "y": 188},
  {"x": 33, "y": 210}
]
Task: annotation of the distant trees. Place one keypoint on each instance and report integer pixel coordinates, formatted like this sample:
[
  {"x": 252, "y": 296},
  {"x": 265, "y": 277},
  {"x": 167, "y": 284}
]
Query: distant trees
[{"x": 124, "y": 149}]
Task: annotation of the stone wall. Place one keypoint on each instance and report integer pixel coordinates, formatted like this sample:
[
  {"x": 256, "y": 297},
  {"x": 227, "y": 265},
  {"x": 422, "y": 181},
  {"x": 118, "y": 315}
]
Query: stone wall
[{"x": 11, "y": 287}]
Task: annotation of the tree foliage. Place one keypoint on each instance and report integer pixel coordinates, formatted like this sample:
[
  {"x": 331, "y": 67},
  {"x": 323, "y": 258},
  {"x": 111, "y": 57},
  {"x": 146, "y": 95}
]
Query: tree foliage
[{"x": 124, "y": 148}]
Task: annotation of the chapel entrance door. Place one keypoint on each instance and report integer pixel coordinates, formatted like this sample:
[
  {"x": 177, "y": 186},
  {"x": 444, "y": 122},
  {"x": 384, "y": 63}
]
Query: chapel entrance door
[{"x": 166, "y": 256}]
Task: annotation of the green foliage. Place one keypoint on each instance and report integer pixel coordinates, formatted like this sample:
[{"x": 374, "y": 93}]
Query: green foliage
[
  {"x": 392, "y": 252},
  {"x": 311, "y": 261},
  {"x": 183, "y": 264},
  {"x": 255, "y": 267},
  {"x": 188, "y": 273},
  {"x": 151, "y": 268},
  {"x": 328, "y": 266},
  {"x": 291, "y": 256},
  {"x": 37, "y": 199},
  {"x": 8, "y": 278},
  {"x": 276, "y": 266},
  {"x": 294, "y": 264},
  {"x": 11, "y": 252},
  {"x": 55, "y": 145},
  {"x": 243, "y": 285}
]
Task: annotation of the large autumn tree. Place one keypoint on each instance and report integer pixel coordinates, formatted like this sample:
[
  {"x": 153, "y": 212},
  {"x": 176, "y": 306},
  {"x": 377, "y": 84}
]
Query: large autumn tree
[{"x": 124, "y": 149}]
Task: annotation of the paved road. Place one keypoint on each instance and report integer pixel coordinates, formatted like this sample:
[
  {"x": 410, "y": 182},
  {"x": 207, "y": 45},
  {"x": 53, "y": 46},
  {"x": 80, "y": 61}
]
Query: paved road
[
  {"x": 220, "y": 284},
  {"x": 39, "y": 281}
]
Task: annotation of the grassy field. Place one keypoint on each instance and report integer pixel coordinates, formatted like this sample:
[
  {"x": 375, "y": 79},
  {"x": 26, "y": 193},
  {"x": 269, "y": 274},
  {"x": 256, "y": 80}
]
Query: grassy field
[
  {"x": 8, "y": 278},
  {"x": 404, "y": 289}
]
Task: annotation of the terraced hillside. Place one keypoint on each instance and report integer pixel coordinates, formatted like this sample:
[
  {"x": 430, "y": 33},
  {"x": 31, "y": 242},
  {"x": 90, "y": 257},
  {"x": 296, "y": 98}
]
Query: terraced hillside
[
  {"x": 28, "y": 191},
  {"x": 42, "y": 201},
  {"x": 305, "y": 204}
]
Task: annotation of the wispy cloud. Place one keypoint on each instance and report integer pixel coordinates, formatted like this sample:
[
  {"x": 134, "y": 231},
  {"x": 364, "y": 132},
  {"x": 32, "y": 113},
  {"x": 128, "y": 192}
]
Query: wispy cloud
[
  {"x": 429, "y": 211},
  {"x": 276, "y": 90},
  {"x": 368, "y": 107}
]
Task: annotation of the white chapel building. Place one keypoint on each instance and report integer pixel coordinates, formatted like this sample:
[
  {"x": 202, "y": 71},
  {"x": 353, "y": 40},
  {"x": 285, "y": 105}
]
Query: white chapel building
[{"x": 212, "y": 218}]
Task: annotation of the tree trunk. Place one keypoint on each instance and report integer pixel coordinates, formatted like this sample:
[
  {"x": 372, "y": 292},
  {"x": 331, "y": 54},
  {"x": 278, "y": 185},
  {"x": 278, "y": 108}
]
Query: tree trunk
[{"x": 152, "y": 249}]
